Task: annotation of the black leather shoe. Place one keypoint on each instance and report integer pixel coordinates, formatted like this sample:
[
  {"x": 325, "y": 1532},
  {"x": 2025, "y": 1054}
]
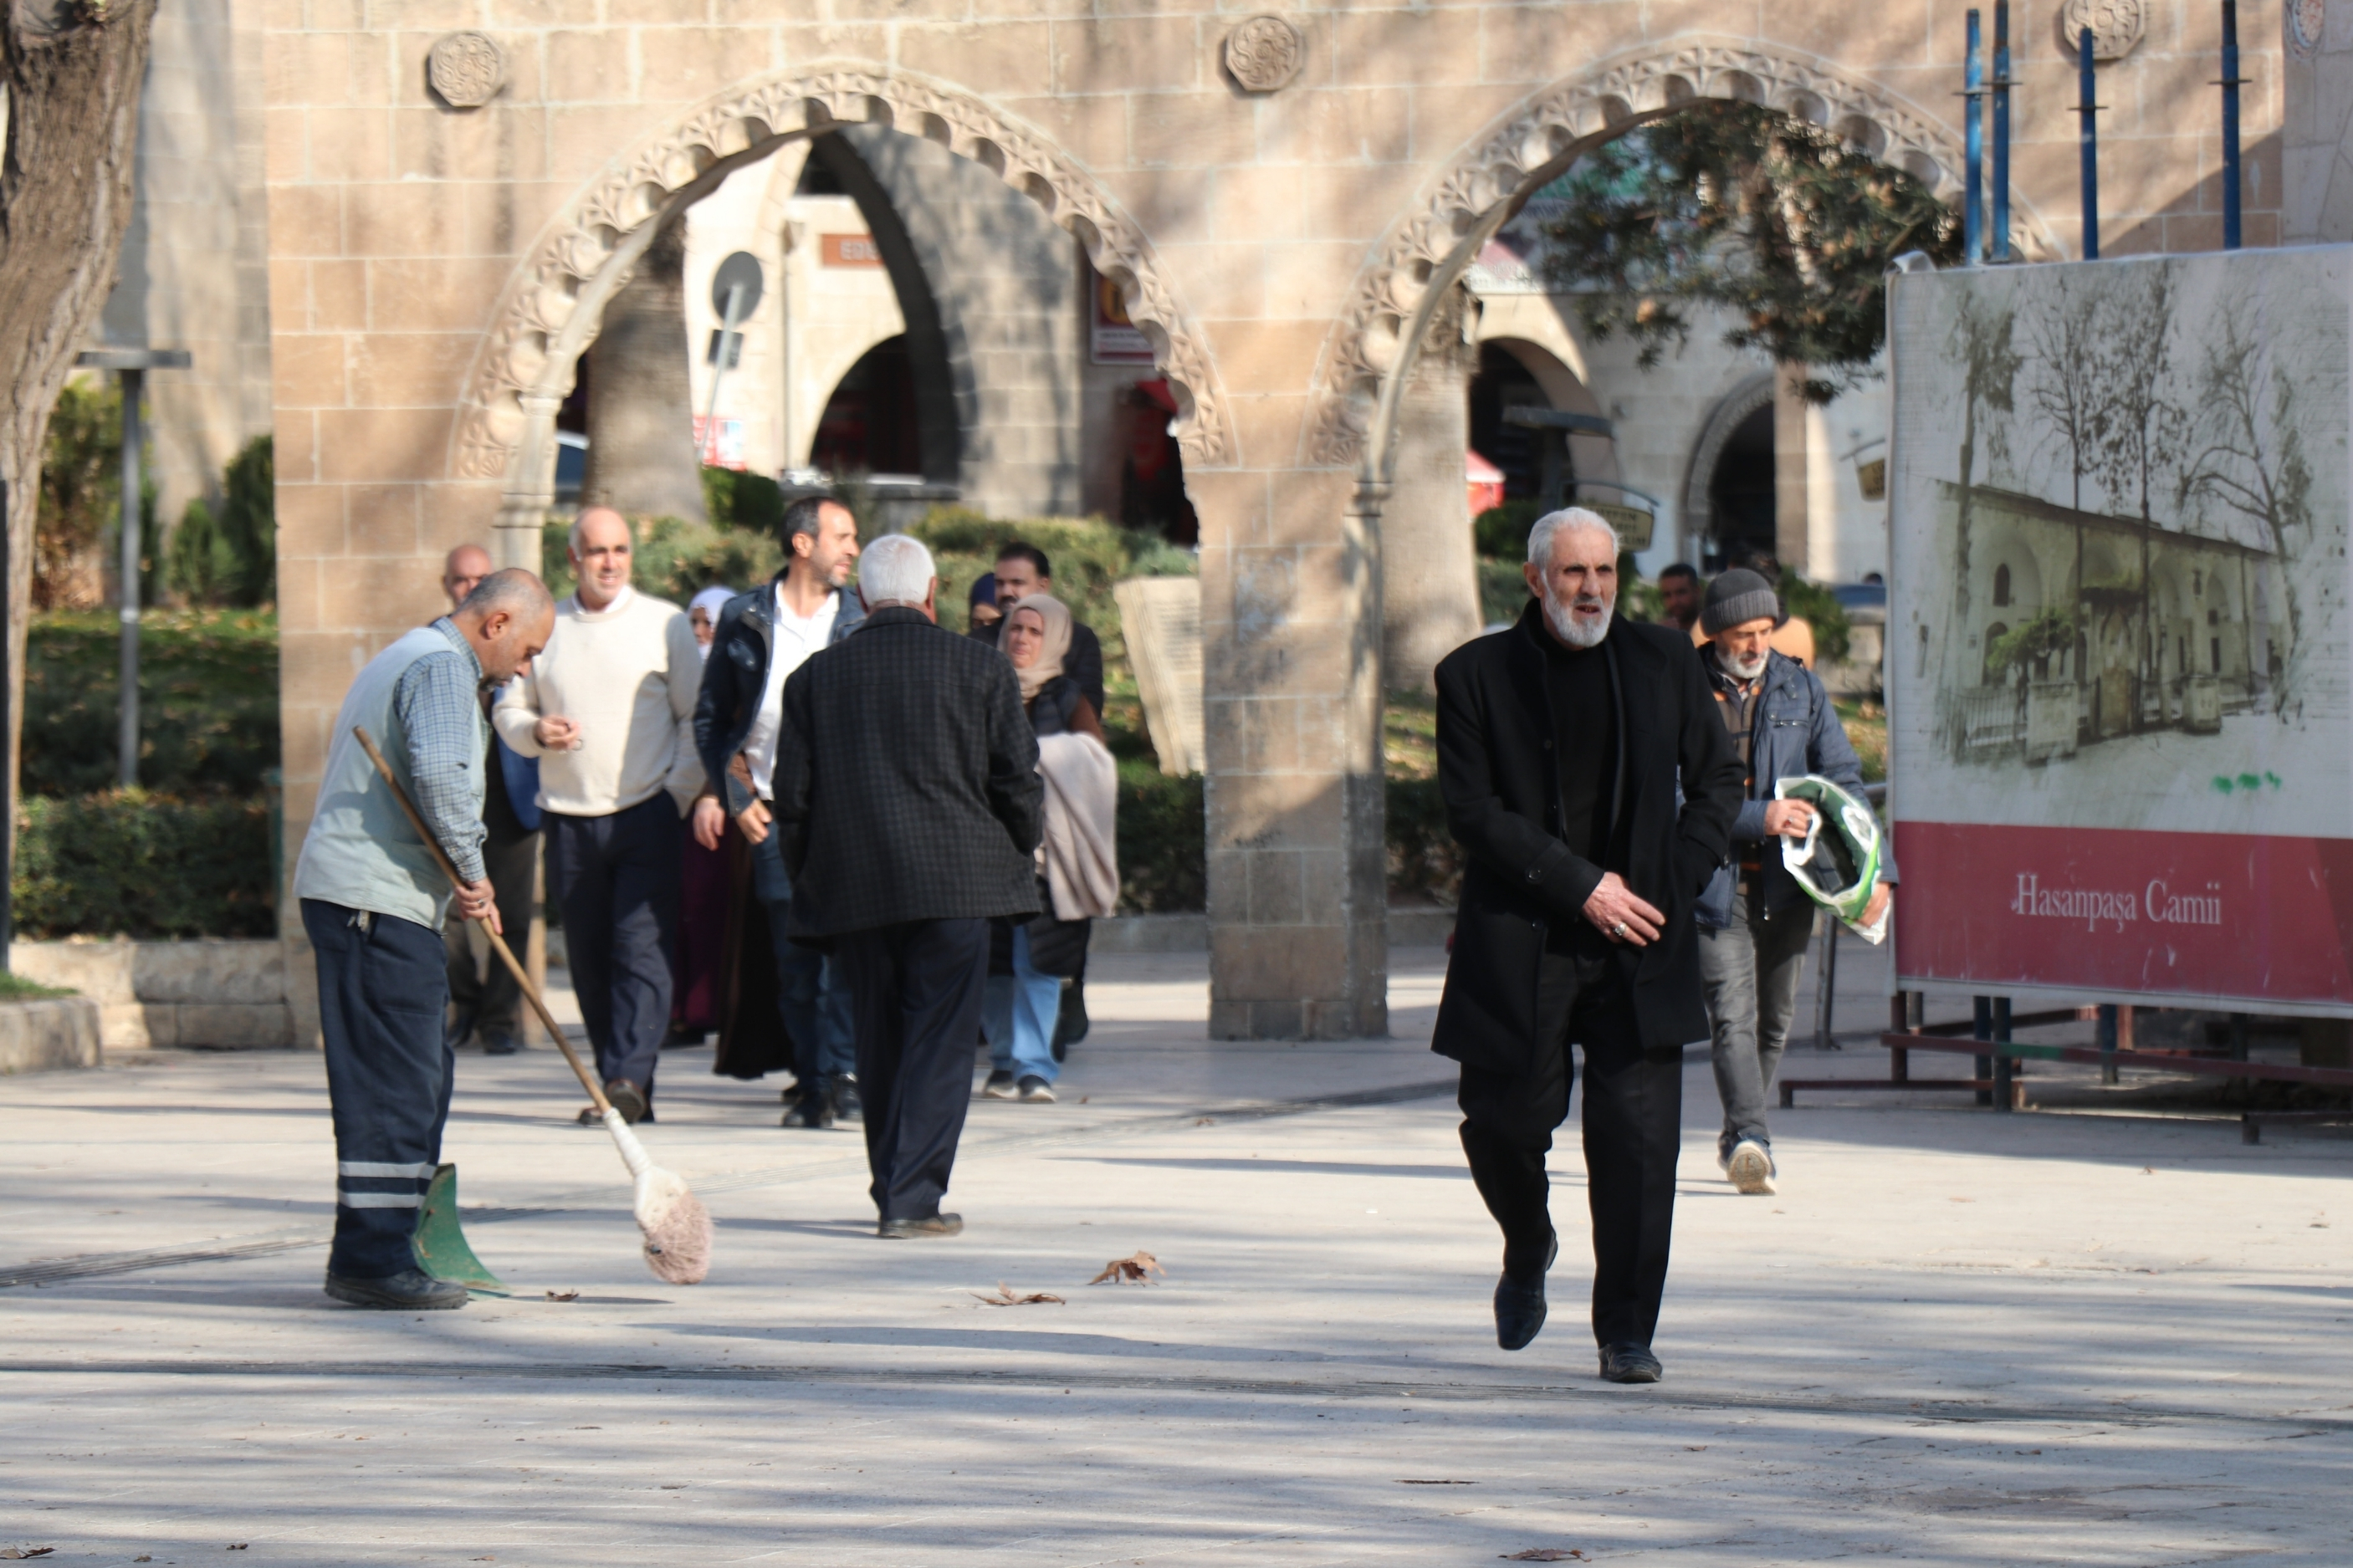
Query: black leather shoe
[
  {"x": 1520, "y": 1305},
  {"x": 410, "y": 1290},
  {"x": 1629, "y": 1363},
  {"x": 455, "y": 1031},
  {"x": 928, "y": 1225},
  {"x": 847, "y": 1106},
  {"x": 812, "y": 1110},
  {"x": 499, "y": 1043},
  {"x": 628, "y": 1099}
]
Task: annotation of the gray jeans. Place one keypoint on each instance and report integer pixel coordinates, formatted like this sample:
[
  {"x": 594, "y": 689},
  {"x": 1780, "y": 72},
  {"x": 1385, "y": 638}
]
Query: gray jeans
[{"x": 1750, "y": 972}]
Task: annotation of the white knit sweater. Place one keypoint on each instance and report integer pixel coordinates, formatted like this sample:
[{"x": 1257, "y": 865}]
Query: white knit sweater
[{"x": 628, "y": 675}]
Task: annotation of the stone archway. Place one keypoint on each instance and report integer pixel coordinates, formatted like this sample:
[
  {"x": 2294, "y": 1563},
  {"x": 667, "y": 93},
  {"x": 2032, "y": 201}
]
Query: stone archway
[
  {"x": 553, "y": 306},
  {"x": 1372, "y": 350},
  {"x": 1732, "y": 411}
]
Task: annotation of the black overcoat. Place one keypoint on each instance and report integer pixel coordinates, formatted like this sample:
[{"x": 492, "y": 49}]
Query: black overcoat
[
  {"x": 906, "y": 782},
  {"x": 1497, "y": 772}
]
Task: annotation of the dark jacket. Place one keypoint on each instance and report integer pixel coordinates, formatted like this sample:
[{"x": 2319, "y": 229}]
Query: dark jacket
[
  {"x": 1795, "y": 732},
  {"x": 737, "y": 673},
  {"x": 1501, "y": 786},
  {"x": 906, "y": 782},
  {"x": 1082, "y": 664}
]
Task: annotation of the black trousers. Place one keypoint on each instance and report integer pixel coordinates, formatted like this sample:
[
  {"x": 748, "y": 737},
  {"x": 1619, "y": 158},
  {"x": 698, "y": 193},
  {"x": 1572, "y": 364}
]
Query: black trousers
[
  {"x": 916, "y": 991},
  {"x": 617, "y": 879},
  {"x": 487, "y": 994},
  {"x": 381, "y": 987},
  {"x": 1633, "y": 1131}
]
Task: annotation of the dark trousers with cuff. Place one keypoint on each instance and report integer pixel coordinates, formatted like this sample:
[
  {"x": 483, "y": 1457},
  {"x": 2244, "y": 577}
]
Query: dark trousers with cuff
[
  {"x": 616, "y": 880},
  {"x": 915, "y": 989},
  {"x": 812, "y": 998},
  {"x": 382, "y": 985},
  {"x": 1633, "y": 1131}
]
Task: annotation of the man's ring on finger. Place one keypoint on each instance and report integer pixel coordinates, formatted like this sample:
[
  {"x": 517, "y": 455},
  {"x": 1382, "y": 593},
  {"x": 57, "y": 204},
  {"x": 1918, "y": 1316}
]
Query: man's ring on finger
[{"x": 1617, "y": 929}]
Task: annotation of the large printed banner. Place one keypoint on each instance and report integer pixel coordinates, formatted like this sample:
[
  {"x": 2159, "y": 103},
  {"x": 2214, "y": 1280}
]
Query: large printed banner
[{"x": 2119, "y": 666}]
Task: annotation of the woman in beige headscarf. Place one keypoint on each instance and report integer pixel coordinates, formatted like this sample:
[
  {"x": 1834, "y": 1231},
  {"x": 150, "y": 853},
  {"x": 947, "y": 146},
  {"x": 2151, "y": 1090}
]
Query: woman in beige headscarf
[{"x": 1078, "y": 858}]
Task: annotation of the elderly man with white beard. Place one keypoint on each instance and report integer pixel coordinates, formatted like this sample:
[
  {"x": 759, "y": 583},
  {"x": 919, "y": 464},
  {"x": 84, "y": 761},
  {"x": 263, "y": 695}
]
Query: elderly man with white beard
[
  {"x": 1755, "y": 921},
  {"x": 1560, "y": 744}
]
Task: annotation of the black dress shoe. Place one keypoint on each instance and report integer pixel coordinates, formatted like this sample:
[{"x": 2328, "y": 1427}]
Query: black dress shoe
[
  {"x": 1629, "y": 1363},
  {"x": 927, "y": 1224},
  {"x": 458, "y": 1030},
  {"x": 628, "y": 1099},
  {"x": 812, "y": 1110},
  {"x": 499, "y": 1043},
  {"x": 847, "y": 1106},
  {"x": 410, "y": 1290},
  {"x": 1520, "y": 1305}
]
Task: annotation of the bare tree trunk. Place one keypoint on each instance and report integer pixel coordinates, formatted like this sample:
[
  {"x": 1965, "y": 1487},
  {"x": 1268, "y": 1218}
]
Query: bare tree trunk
[
  {"x": 642, "y": 455},
  {"x": 70, "y": 72}
]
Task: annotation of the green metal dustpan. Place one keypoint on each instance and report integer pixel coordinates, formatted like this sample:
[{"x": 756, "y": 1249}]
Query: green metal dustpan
[{"x": 439, "y": 1242}]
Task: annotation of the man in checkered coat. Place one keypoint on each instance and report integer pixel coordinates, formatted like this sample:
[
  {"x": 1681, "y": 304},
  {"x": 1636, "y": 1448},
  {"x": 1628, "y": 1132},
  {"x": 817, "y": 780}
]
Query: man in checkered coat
[{"x": 907, "y": 792}]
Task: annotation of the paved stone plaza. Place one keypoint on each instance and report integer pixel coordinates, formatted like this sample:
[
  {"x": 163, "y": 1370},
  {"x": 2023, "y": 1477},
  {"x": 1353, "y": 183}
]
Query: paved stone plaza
[{"x": 1954, "y": 1338}]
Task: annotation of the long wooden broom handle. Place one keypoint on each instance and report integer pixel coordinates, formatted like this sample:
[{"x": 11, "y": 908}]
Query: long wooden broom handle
[{"x": 498, "y": 942}]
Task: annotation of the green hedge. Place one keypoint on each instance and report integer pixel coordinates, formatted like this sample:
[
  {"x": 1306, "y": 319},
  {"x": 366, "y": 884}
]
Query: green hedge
[
  {"x": 128, "y": 863},
  {"x": 1163, "y": 866}
]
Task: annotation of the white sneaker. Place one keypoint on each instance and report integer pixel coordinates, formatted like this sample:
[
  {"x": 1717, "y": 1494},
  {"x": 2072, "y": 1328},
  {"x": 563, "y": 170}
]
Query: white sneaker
[{"x": 1751, "y": 1168}]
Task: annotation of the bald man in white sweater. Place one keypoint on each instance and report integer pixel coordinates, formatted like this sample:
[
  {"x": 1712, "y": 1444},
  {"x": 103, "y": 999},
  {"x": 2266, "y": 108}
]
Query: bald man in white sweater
[{"x": 608, "y": 710}]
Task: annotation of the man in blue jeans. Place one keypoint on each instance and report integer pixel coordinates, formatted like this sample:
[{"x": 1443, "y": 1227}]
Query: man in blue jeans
[
  {"x": 1754, "y": 920},
  {"x": 761, "y": 639}
]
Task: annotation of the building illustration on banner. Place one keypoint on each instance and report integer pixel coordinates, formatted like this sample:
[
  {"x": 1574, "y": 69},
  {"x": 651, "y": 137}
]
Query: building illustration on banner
[{"x": 2120, "y": 656}]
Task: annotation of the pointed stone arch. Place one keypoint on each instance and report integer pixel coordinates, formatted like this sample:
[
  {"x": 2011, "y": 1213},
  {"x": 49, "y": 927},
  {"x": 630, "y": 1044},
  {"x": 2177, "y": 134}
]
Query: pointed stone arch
[
  {"x": 552, "y": 305},
  {"x": 1381, "y": 328}
]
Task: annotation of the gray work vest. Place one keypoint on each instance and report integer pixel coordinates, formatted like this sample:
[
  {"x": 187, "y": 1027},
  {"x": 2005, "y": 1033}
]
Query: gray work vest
[{"x": 361, "y": 851}]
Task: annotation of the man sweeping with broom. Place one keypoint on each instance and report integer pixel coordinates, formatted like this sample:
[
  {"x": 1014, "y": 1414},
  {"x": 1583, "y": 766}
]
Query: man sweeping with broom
[{"x": 374, "y": 897}]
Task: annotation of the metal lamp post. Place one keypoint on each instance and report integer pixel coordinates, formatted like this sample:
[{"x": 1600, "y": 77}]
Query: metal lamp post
[{"x": 130, "y": 366}]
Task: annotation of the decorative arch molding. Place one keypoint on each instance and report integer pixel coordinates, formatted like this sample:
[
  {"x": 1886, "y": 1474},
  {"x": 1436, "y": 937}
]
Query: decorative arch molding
[
  {"x": 1731, "y": 410},
  {"x": 553, "y": 302},
  {"x": 1534, "y": 144}
]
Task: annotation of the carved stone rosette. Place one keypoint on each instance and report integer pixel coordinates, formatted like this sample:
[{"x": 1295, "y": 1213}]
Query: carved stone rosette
[
  {"x": 1264, "y": 53},
  {"x": 467, "y": 69},
  {"x": 2116, "y": 25},
  {"x": 1365, "y": 343},
  {"x": 540, "y": 298}
]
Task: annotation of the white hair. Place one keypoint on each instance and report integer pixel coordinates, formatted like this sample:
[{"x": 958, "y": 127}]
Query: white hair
[
  {"x": 895, "y": 567},
  {"x": 1572, "y": 519}
]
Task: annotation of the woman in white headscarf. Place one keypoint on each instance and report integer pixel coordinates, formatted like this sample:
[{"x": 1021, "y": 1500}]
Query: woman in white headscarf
[
  {"x": 703, "y": 897},
  {"x": 702, "y": 615},
  {"x": 1078, "y": 862}
]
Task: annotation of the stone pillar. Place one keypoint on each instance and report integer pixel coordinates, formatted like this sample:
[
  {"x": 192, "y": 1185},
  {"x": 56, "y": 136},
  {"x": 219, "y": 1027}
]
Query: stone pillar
[
  {"x": 1298, "y": 875},
  {"x": 1429, "y": 597},
  {"x": 1793, "y": 425},
  {"x": 641, "y": 451}
]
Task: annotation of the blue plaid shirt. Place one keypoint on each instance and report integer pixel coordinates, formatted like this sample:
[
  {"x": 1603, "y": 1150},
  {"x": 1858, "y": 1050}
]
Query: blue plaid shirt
[{"x": 438, "y": 701}]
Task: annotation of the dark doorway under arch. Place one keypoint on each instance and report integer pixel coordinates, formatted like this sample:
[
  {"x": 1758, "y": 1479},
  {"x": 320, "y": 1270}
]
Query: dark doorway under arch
[
  {"x": 1740, "y": 494},
  {"x": 870, "y": 424},
  {"x": 1502, "y": 383}
]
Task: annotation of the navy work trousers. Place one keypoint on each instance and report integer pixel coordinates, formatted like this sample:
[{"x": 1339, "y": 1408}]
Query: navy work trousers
[
  {"x": 915, "y": 989},
  {"x": 617, "y": 879},
  {"x": 383, "y": 983}
]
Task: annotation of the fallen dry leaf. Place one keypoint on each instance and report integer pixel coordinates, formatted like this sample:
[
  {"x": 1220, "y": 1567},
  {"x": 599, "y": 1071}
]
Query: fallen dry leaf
[
  {"x": 1137, "y": 1267},
  {"x": 16, "y": 1553},
  {"x": 1006, "y": 1297},
  {"x": 236, "y": 1546},
  {"x": 1547, "y": 1554},
  {"x": 557, "y": 1296},
  {"x": 1437, "y": 1483}
]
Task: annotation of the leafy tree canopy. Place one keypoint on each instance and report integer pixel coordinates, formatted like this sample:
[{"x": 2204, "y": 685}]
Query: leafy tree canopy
[{"x": 1729, "y": 206}]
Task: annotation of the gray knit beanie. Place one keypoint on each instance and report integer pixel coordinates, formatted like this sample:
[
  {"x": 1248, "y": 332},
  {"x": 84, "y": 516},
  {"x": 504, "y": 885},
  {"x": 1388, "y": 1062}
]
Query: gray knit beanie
[{"x": 1736, "y": 596}]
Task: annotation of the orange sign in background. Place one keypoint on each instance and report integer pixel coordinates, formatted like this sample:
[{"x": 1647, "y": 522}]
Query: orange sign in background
[{"x": 849, "y": 251}]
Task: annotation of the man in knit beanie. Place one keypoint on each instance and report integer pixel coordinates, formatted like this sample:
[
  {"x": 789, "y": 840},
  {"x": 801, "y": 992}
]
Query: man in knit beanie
[{"x": 1754, "y": 919}]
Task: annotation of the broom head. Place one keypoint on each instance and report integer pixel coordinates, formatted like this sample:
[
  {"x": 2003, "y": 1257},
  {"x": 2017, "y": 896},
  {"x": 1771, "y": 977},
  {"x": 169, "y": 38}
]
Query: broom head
[{"x": 677, "y": 1226}]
